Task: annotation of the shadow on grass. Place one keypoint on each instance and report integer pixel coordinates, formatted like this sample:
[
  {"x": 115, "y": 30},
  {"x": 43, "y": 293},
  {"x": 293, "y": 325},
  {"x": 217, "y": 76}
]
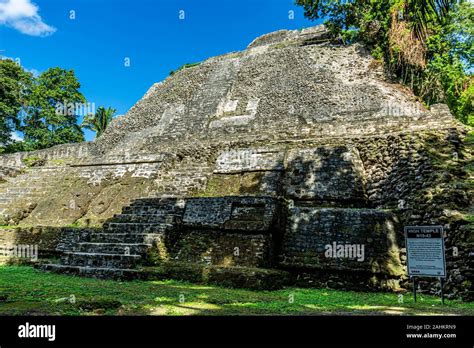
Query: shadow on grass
[{"x": 26, "y": 291}]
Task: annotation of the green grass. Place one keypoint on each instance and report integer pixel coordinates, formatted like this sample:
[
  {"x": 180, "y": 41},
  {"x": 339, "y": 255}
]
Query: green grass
[{"x": 27, "y": 291}]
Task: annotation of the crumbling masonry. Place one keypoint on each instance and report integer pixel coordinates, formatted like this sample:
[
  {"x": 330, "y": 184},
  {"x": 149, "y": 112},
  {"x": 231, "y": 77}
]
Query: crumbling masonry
[{"x": 241, "y": 170}]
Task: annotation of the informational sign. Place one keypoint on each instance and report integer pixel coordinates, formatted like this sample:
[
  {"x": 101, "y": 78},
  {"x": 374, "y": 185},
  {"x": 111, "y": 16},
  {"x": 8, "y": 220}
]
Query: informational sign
[{"x": 425, "y": 251}]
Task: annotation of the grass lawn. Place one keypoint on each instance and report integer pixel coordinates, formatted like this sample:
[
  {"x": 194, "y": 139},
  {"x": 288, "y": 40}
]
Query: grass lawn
[{"x": 27, "y": 291}]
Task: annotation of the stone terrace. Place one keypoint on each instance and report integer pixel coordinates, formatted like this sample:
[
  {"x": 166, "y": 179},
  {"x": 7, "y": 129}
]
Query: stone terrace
[{"x": 242, "y": 169}]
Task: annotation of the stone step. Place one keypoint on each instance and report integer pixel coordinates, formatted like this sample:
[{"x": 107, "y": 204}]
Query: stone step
[
  {"x": 114, "y": 248},
  {"x": 37, "y": 180},
  {"x": 23, "y": 195},
  {"x": 135, "y": 238},
  {"x": 144, "y": 210},
  {"x": 191, "y": 174},
  {"x": 145, "y": 218},
  {"x": 40, "y": 180},
  {"x": 95, "y": 272},
  {"x": 168, "y": 194},
  {"x": 99, "y": 260},
  {"x": 150, "y": 210},
  {"x": 180, "y": 181},
  {"x": 26, "y": 177},
  {"x": 166, "y": 204},
  {"x": 177, "y": 189},
  {"x": 14, "y": 204},
  {"x": 21, "y": 189},
  {"x": 182, "y": 177},
  {"x": 136, "y": 227}
]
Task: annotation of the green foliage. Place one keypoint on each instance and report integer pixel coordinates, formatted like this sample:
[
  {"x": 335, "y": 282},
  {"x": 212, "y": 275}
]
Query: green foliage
[
  {"x": 28, "y": 290},
  {"x": 466, "y": 104},
  {"x": 44, "y": 108},
  {"x": 15, "y": 84},
  {"x": 99, "y": 121},
  {"x": 49, "y": 120},
  {"x": 184, "y": 66},
  {"x": 426, "y": 44}
]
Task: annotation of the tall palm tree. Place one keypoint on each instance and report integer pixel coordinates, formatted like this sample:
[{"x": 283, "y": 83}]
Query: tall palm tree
[{"x": 99, "y": 121}]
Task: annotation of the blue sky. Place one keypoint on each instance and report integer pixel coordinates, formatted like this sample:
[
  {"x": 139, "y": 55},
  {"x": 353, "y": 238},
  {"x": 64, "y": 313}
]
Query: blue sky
[{"x": 149, "y": 32}]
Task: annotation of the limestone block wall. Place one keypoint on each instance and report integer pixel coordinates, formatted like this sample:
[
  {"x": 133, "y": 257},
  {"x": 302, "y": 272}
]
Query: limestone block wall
[
  {"x": 96, "y": 170},
  {"x": 421, "y": 178},
  {"x": 332, "y": 239},
  {"x": 325, "y": 173},
  {"x": 410, "y": 178},
  {"x": 424, "y": 179},
  {"x": 95, "y": 174},
  {"x": 69, "y": 238},
  {"x": 42, "y": 239},
  {"x": 66, "y": 152},
  {"x": 266, "y": 232},
  {"x": 246, "y": 160},
  {"x": 211, "y": 247},
  {"x": 231, "y": 213},
  {"x": 322, "y": 173},
  {"x": 84, "y": 191},
  {"x": 228, "y": 231}
]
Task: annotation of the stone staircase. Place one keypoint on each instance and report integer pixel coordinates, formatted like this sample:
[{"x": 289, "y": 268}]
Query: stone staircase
[
  {"x": 18, "y": 194},
  {"x": 121, "y": 246},
  {"x": 153, "y": 239}
]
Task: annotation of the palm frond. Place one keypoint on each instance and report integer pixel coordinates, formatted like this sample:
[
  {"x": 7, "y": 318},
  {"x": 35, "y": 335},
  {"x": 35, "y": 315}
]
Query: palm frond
[{"x": 99, "y": 121}]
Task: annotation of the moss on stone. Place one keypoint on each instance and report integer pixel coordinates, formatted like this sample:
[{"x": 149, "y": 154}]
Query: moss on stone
[
  {"x": 34, "y": 161},
  {"x": 60, "y": 162},
  {"x": 184, "y": 66},
  {"x": 221, "y": 185},
  {"x": 248, "y": 183}
]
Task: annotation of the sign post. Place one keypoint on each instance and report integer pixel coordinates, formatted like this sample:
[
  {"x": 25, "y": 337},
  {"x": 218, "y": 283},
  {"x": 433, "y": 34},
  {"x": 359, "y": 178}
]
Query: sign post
[{"x": 425, "y": 254}]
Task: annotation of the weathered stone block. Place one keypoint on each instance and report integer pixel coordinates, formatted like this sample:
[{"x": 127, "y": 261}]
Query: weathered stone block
[
  {"x": 245, "y": 160},
  {"x": 223, "y": 249},
  {"x": 325, "y": 173},
  {"x": 43, "y": 239},
  {"x": 231, "y": 213},
  {"x": 338, "y": 239},
  {"x": 265, "y": 183}
]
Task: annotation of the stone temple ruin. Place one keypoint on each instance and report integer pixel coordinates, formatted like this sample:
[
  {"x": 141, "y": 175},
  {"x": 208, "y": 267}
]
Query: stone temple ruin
[{"x": 242, "y": 170}]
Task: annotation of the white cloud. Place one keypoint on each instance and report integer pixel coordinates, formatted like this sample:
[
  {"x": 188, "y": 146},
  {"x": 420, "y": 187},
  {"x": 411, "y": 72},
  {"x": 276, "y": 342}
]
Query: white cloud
[
  {"x": 23, "y": 16},
  {"x": 34, "y": 71},
  {"x": 15, "y": 137}
]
